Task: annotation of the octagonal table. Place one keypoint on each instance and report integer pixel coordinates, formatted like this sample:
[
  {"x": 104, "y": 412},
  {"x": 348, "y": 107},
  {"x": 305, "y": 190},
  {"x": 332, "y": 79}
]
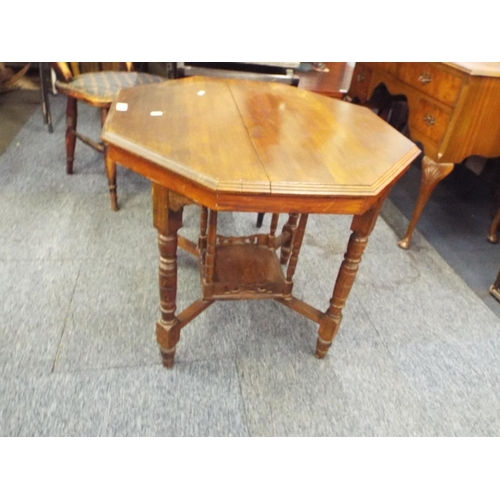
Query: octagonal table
[{"x": 235, "y": 145}]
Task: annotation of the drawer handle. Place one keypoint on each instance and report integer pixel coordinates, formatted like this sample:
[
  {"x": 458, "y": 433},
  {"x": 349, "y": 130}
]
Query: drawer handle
[
  {"x": 425, "y": 78},
  {"x": 429, "y": 119},
  {"x": 361, "y": 77}
]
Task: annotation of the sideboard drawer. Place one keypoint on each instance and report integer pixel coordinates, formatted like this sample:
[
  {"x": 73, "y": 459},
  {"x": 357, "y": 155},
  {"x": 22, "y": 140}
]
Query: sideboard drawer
[
  {"x": 429, "y": 119},
  {"x": 390, "y": 67},
  {"x": 432, "y": 80}
]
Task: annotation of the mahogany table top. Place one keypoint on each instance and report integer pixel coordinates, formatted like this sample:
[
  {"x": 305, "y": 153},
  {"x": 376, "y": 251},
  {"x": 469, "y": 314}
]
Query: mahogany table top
[{"x": 221, "y": 141}]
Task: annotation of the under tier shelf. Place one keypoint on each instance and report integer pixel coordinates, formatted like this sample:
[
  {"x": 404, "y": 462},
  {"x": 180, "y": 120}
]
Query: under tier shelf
[{"x": 244, "y": 271}]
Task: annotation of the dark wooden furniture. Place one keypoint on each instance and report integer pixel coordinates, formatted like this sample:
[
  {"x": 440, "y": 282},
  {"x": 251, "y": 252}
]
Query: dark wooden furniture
[
  {"x": 281, "y": 72},
  {"x": 96, "y": 88},
  {"x": 454, "y": 110},
  {"x": 238, "y": 145},
  {"x": 332, "y": 83}
]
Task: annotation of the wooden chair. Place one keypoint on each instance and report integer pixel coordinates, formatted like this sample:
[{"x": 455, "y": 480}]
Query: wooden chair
[{"x": 96, "y": 88}]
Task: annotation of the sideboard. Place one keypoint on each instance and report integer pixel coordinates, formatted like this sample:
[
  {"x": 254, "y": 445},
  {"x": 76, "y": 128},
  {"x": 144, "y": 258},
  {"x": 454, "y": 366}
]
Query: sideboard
[{"x": 454, "y": 113}]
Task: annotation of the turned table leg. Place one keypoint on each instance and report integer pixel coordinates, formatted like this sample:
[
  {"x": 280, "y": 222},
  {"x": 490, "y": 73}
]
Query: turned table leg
[
  {"x": 329, "y": 324},
  {"x": 289, "y": 228},
  {"x": 432, "y": 174},
  {"x": 167, "y": 222},
  {"x": 294, "y": 256}
]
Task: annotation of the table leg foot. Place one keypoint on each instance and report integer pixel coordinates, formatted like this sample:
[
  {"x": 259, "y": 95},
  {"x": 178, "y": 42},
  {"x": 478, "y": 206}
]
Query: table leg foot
[
  {"x": 167, "y": 357},
  {"x": 322, "y": 348},
  {"x": 330, "y": 323},
  {"x": 404, "y": 243},
  {"x": 168, "y": 336}
]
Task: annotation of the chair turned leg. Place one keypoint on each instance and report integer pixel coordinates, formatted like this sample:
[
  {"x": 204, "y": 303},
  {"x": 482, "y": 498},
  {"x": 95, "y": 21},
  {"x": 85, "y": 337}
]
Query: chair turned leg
[
  {"x": 110, "y": 168},
  {"x": 111, "y": 173},
  {"x": 71, "y": 115}
]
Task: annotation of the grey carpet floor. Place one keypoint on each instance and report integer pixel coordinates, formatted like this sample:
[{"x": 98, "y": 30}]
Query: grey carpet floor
[{"x": 417, "y": 353}]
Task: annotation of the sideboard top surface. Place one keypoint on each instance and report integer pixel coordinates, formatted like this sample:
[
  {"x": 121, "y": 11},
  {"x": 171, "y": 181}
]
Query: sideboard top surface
[{"x": 478, "y": 68}]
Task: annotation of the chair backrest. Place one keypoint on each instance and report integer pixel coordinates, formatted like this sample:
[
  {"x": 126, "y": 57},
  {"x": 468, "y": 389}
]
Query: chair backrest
[
  {"x": 67, "y": 71},
  {"x": 273, "y": 72}
]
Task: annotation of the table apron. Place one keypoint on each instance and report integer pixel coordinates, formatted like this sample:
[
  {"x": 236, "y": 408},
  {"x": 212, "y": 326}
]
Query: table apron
[{"x": 241, "y": 202}]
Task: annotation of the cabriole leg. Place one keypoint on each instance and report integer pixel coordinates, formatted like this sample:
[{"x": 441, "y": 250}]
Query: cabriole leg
[{"x": 432, "y": 174}]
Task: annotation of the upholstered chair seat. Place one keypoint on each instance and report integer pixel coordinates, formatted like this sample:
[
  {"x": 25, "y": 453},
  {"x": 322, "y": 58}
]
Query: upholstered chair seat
[{"x": 103, "y": 86}]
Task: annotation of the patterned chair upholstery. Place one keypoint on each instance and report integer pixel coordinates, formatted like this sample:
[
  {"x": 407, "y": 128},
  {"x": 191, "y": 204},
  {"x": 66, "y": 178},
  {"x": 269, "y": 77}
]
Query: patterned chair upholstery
[
  {"x": 96, "y": 89},
  {"x": 103, "y": 86}
]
